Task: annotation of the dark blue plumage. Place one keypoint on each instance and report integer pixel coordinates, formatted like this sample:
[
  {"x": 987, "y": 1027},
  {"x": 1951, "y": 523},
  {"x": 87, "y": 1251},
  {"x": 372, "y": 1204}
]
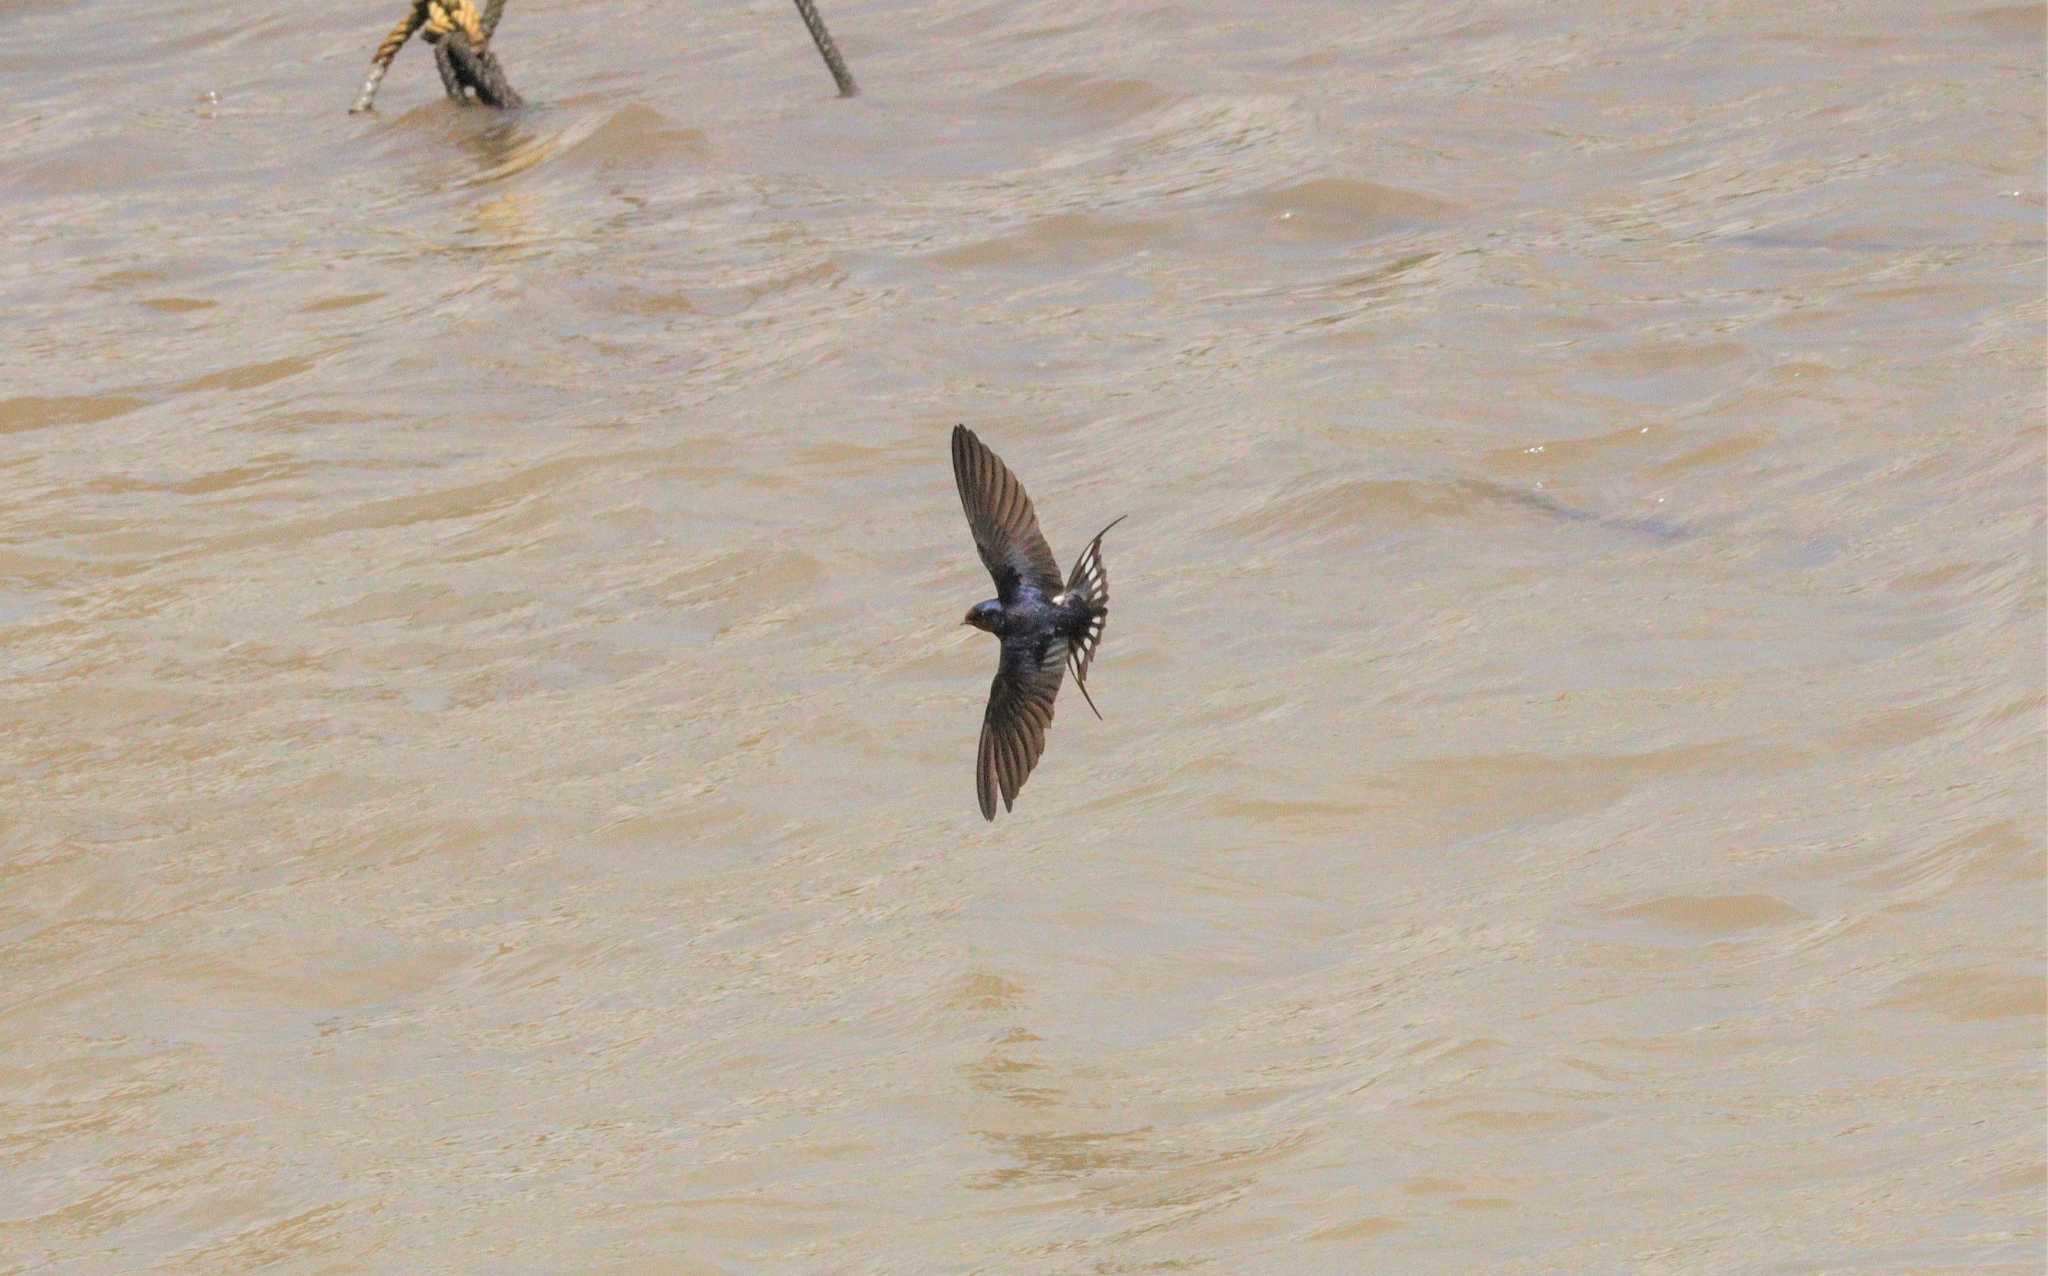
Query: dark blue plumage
[{"x": 1046, "y": 625}]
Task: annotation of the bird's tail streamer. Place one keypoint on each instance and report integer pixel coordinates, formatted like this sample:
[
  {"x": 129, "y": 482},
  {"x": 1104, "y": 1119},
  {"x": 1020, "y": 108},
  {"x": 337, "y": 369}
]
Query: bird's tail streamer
[{"x": 1089, "y": 583}]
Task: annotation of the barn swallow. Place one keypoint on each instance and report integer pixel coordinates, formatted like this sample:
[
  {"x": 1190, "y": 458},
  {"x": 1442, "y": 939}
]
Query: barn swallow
[{"x": 1046, "y": 626}]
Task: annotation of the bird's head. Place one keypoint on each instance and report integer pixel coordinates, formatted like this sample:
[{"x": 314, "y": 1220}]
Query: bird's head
[{"x": 985, "y": 615}]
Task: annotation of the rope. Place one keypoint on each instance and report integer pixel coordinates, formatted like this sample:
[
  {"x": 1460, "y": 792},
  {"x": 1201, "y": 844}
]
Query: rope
[
  {"x": 462, "y": 53},
  {"x": 380, "y": 61},
  {"x": 483, "y": 74},
  {"x": 475, "y": 69},
  {"x": 808, "y": 10},
  {"x": 444, "y": 63},
  {"x": 461, "y": 39}
]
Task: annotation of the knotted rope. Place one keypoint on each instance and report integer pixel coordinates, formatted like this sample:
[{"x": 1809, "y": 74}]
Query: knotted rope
[
  {"x": 461, "y": 38},
  {"x": 464, "y": 64}
]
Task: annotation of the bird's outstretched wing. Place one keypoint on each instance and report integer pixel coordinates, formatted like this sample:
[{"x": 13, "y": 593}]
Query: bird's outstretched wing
[
  {"x": 1019, "y": 710},
  {"x": 1000, "y": 515}
]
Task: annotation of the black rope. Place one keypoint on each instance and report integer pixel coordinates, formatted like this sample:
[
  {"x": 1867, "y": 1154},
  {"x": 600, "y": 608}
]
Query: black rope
[
  {"x": 444, "y": 62},
  {"x": 464, "y": 66},
  {"x": 808, "y": 9}
]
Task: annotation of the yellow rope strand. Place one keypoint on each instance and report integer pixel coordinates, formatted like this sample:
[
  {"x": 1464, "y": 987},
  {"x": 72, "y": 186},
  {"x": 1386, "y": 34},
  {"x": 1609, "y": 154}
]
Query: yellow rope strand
[
  {"x": 380, "y": 62},
  {"x": 444, "y": 16}
]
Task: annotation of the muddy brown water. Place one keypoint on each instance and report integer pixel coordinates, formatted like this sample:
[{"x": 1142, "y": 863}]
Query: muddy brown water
[{"x": 486, "y": 736}]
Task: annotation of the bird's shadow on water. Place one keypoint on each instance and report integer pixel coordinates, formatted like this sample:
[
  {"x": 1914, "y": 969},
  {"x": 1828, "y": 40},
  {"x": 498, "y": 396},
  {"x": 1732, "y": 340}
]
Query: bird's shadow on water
[
  {"x": 1015, "y": 1072},
  {"x": 1664, "y": 530}
]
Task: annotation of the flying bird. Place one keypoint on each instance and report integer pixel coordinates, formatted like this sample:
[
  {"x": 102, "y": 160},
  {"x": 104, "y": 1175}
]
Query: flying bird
[{"x": 1046, "y": 625}]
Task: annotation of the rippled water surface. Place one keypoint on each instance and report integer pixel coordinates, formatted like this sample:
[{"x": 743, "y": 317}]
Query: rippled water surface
[{"x": 486, "y": 779}]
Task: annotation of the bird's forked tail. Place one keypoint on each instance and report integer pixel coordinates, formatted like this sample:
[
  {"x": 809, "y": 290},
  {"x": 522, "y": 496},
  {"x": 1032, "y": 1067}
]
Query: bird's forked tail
[{"x": 1088, "y": 583}]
